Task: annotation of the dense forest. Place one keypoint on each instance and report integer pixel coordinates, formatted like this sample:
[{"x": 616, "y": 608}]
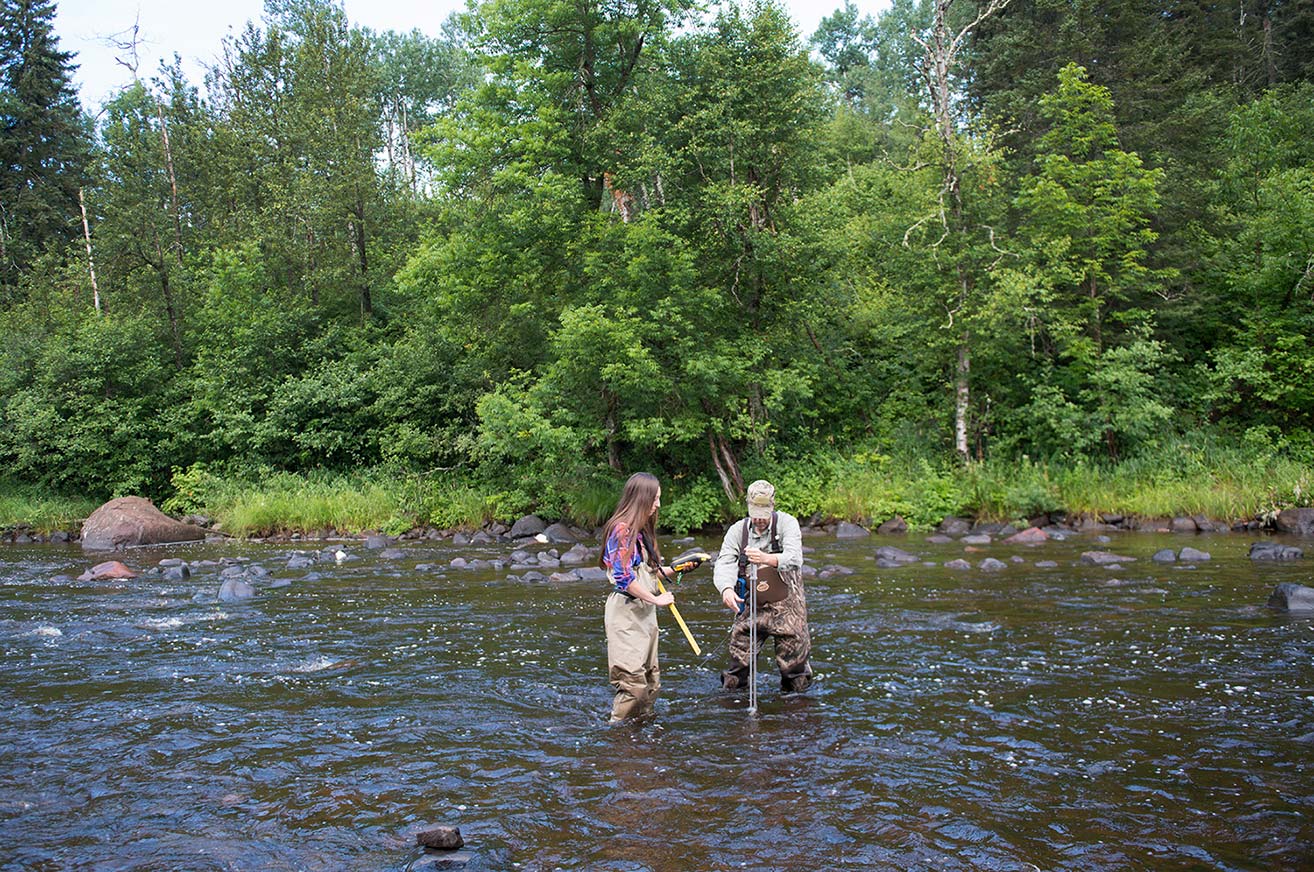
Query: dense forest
[{"x": 562, "y": 241}]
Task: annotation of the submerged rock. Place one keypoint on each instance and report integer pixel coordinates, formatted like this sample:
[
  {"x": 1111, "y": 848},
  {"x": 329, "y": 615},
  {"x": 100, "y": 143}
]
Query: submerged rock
[
  {"x": 1104, "y": 558},
  {"x": 106, "y": 570},
  {"x": 990, "y": 564},
  {"x": 960, "y": 563},
  {"x": 235, "y": 590},
  {"x": 1193, "y": 555},
  {"x": 1292, "y": 597},
  {"x": 894, "y": 555},
  {"x": 1274, "y": 551}
]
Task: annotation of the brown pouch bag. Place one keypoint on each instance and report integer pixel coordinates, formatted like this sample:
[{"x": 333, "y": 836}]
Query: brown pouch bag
[{"x": 771, "y": 588}]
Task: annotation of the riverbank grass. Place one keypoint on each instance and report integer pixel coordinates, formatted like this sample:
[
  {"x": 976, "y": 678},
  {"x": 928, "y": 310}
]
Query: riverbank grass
[{"x": 43, "y": 511}]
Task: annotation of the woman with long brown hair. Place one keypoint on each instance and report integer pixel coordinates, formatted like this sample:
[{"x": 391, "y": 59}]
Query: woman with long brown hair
[{"x": 632, "y": 560}]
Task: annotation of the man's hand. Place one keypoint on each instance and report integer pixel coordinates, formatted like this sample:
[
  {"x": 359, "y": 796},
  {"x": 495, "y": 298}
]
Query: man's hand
[
  {"x": 731, "y": 601},
  {"x": 760, "y": 558}
]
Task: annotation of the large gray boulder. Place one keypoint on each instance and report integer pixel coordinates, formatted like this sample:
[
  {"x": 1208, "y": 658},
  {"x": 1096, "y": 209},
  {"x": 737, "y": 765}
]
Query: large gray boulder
[
  {"x": 1292, "y": 597},
  {"x": 559, "y": 534},
  {"x": 1268, "y": 550},
  {"x": 130, "y": 521},
  {"x": 1298, "y": 521},
  {"x": 846, "y": 530},
  {"x": 529, "y": 525}
]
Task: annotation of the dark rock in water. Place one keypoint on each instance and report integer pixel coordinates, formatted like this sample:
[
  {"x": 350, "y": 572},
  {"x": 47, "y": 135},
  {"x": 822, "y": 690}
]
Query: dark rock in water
[
  {"x": 279, "y": 582},
  {"x": 835, "y": 569},
  {"x": 1111, "y": 519},
  {"x": 1298, "y": 521},
  {"x": 960, "y": 563},
  {"x": 374, "y": 543},
  {"x": 563, "y": 576},
  {"x": 234, "y": 590},
  {"x": 578, "y": 554},
  {"x": 548, "y": 562},
  {"x": 1274, "y": 551},
  {"x": 440, "y": 837},
  {"x": 529, "y": 525},
  {"x": 460, "y": 539},
  {"x": 1016, "y": 559},
  {"x": 939, "y": 539},
  {"x": 955, "y": 527},
  {"x": 445, "y": 860},
  {"x": 459, "y": 563},
  {"x": 479, "y": 564},
  {"x": 1193, "y": 555},
  {"x": 895, "y": 555},
  {"x": 993, "y": 528},
  {"x": 256, "y": 571},
  {"x": 1045, "y": 564},
  {"x": 1103, "y": 540},
  {"x": 845, "y": 530},
  {"x": 977, "y": 539},
  {"x": 59, "y": 536},
  {"x": 559, "y": 534},
  {"x": 1104, "y": 558},
  {"x": 520, "y": 555},
  {"x": 176, "y": 573},
  {"x": 1029, "y": 536},
  {"x": 1183, "y": 525},
  {"x": 481, "y": 538},
  {"x": 392, "y": 554},
  {"x": 990, "y": 564},
  {"x": 1292, "y": 597},
  {"x": 886, "y": 563},
  {"x": 61, "y": 579},
  {"x": 808, "y": 571},
  {"x": 1165, "y": 555},
  {"x": 893, "y": 526},
  {"x": 533, "y": 576},
  {"x": 300, "y": 561},
  {"x": 591, "y": 573},
  {"x": 1058, "y": 534},
  {"x": 131, "y": 521},
  {"x": 107, "y": 570},
  {"x": 172, "y": 561},
  {"x": 425, "y": 567},
  {"x": 496, "y": 528}
]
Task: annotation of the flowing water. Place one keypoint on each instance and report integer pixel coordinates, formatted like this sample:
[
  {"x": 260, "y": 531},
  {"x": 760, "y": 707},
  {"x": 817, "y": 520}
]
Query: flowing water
[{"x": 1071, "y": 717}]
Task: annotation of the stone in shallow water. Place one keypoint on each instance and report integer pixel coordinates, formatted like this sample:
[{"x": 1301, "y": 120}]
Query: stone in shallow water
[
  {"x": 440, "y": 836},
  {"x": 1292, "y": 597},
  {"x": 1104, "y": 558},
  {"x": 1045, "y": 564},
  {"x": 846, "y": 530},
  {"x": 939, "y": 539},
  {"x": 1165, "y": 555},
  {"x": 894, "y": 555},
  {"x": 977, "y": 539},
  {"x": 1274, "y": 551},
  {"x": 990, "y": 564},
  {"x": 234, "y": 590},
  {"x": 1193, "y": 555},
  {"x": 960, "y": 563}
]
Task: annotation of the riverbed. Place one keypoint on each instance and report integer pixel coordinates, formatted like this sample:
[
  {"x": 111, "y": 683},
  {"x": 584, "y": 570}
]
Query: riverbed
[{"x": 1069, "y": 717}]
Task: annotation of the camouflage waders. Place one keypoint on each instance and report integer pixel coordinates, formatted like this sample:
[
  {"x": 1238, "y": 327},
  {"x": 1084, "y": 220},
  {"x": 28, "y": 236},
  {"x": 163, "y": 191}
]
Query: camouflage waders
[
  {"x": 786, "y": 622},
  {"x": 632, "y": 649}
]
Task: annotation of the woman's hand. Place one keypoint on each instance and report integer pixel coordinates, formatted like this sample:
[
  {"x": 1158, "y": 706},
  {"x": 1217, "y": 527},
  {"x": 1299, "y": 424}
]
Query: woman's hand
[{"x": 663, "y": 599}]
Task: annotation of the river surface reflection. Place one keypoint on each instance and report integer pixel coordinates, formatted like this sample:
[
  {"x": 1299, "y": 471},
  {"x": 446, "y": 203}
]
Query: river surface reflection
[{"x": 1070, "y": 717}]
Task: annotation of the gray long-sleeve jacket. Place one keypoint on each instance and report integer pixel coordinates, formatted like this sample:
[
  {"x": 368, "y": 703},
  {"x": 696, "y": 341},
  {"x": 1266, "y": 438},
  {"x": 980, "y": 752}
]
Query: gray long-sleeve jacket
[{"x": 791, "y": 544}]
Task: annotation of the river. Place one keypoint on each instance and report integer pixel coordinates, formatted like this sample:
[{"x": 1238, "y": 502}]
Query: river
[{"x": 1062, "y": 718}]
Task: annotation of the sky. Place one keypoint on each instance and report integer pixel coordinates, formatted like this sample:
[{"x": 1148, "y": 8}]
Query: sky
[{"x": 194, "y": 30}]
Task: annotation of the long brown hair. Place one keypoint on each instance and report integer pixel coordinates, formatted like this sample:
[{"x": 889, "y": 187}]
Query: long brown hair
[{"x": 633, "y": 511}]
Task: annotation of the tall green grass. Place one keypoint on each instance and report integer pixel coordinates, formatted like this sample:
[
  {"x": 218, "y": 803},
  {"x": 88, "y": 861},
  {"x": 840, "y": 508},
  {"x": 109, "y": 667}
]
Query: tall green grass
[{"x": 42, "y": 510}]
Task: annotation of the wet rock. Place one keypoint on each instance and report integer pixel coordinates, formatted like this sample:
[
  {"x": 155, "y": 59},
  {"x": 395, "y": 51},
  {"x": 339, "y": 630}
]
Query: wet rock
[
  {"x": 497, "y": 528},
  {"x": 1274, "y": 551},
  {"x": 939, "y": 539},
  {"x": 176, "y": 573},
  {"x": 1298, "y": 521},
  {"x": 392, "y": 554},
  {"x": 441, "y": 837},
  {"x": 460, "y": 539},
  {"x": 1164, "y": 555},
  {"x": 895, "y": 555},
  {"x": 1193, "y": 555},
  {"x": 990, "y": 564},
  {"x": 529, "y": 525},
  {"x": 547, "y": 561},
  {"x": 591, "y": 573},
  {"x": 453, "y": 860},
  {"x": 481, "y": 538},
  {"x": 374, "y": 543},
  {"x": 479, "y": 564},
  {"x": 808, "y": 571},
  {"x": 563, "y": 576},
  {"x": 993, "y": 528},
  {"x": 300, "y": 561},
  {"x": 520, "y": 555},
  {"x": 1058, "y": 534},
  {"x": 833, "y": 569},
  {"x": 1292, "y": 597},
  {"x": 977, "y": 539},
  {"x": 577, "y": 555},
  {"x": 1183, "y": 525},
  {"x": 1116, "y": 567},
  {"x": 108, "y": 569},
  {"x": 1029, "y": 536},
  {"x": 1103, "y": 540},
  {"x": 955, "y": 527},
  {"x": 846, "y": 530},
  {"x": 256, "y": 571},
  {"x": 459, "y": 563},
  {"x": 132, "y": 521},
  {"x": 1045, "y": 564},
  {"x": 59, "y": 537},
  {"x": 533, "y": 576},
  {"x": 960, "y": 563},
  {"x": 173, "y": 561},
  {"x": 893, "y": 526},
  {"x": 559, "y": 534},
  {"x": 1104, "y": 558},
  {"x": 235, "y": 590},
  {"x": 1111, "y": 519},
  {"x": 1016, "y": 559},
  {"x": 279, "y": 583}
]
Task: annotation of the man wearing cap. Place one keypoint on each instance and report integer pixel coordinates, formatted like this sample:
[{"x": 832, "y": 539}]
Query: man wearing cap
[{"x": 767, "y": 549}]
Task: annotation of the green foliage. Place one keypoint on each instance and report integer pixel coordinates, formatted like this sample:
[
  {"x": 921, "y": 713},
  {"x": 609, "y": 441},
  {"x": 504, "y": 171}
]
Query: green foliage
[{"x": 40, "y": 509}]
